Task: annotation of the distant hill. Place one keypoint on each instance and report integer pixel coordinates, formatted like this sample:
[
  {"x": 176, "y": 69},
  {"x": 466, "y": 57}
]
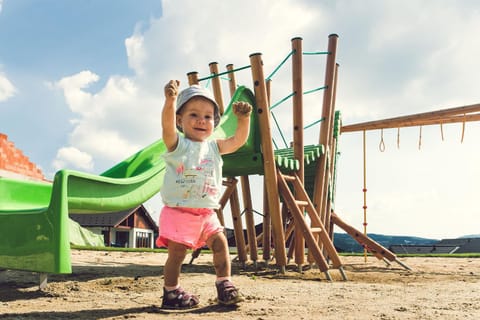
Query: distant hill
[
  {"x": 471, "y": 236},
  {"x": 345, "y": 243}
]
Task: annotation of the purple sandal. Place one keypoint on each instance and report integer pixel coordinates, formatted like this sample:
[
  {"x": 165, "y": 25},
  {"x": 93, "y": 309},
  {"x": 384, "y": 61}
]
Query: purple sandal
[
  {"x": 178, "y": 299},
  {"x": 227, "y": 294}
]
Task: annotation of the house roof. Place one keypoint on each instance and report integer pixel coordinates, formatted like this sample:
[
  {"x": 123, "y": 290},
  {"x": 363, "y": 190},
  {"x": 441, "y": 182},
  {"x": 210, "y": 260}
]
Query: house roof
[{"x": 109, "y": 219}]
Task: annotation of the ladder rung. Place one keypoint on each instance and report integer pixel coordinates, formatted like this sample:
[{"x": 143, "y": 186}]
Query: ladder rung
[
  {"x": 301, "y": 203},
  {"x": 316, "y": 230},
  {"x": 289, "y": 178}
]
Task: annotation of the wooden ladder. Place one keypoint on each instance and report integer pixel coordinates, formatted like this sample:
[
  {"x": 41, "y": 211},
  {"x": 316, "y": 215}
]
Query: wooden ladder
[{"x": 297, "y": 205}]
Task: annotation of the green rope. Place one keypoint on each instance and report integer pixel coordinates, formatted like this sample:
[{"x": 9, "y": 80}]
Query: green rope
[
  {"x": 281, "y": 64},
  {"x": 283, "y": 100},
  {"x": 314, "y": 123},
  {"x": 314, "y": 90},
  {"x": 316, "y": 52},
  {"x": 294, "y": 93},
  {"x": 280, "y": 130},
  {"x": 275, "y": 144},
  {"x": 223, "y": 73}
]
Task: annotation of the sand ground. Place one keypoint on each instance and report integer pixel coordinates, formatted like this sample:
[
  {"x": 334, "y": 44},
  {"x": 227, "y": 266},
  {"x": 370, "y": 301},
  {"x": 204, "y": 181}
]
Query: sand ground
[{"x": 119, "y": 285}]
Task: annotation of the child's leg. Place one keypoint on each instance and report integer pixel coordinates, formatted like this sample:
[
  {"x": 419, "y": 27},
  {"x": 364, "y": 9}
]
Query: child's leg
[
  {"x": 174, "y": 297},
  {"x": 221, "y": 257},
  {"x": 173, "y": 265},
  {"x": 226, "y": 291}
]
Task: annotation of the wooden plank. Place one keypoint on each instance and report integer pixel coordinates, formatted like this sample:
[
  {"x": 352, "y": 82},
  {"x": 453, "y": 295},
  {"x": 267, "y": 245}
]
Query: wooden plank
[
  {"x": 415, "y": 119},
  {"x": 302, "y": 225},
  {"x": 364, "y": 240}
]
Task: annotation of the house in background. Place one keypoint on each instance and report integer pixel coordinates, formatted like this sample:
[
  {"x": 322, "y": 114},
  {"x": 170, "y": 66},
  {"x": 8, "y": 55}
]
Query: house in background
[
  {"x": 465, "y": 245},
  {"x": 423, "y": 249},
  {"x": 445, "y": 246},
  {"x": 133, "y": 228}
]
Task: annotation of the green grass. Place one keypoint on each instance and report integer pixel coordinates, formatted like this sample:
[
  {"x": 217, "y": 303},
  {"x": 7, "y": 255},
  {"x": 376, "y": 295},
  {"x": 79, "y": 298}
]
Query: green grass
[
  {"x": 234, "y": 251},
  {"x": 157, "y": 250},
  {"x": 444, "y": 255},
  {"x": 438, "y": 255},
  {"x": 117, "y": 249}
]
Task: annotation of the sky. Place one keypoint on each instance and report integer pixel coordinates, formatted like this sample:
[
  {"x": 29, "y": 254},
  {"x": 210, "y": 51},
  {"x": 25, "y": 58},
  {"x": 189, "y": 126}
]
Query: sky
[{"x": 81, "y": 87}]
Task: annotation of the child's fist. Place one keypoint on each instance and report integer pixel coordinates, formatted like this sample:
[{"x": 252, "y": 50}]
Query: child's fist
[
  {"x": 171, "y": 88},
  {"x": 242, "y": 109}
]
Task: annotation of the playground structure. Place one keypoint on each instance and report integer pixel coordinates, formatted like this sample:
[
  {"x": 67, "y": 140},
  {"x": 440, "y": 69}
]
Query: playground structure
[{"x": 298, "y": 182}]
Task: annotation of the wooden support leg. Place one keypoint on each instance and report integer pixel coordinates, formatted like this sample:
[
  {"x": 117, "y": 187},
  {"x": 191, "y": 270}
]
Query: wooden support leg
[
  {"x": 249, "y": 220},
  {"x": 302, "y": 224},
  {"x": 267, "y": 234},
  {"x": 372, "y": 246},
  {"x": 237, "y": 226},
  {"x": 43, "y": 281}
]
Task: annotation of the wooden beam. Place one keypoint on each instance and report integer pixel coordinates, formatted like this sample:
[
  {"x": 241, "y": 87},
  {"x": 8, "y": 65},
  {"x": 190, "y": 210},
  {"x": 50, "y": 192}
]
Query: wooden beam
[{"x": 426, "y": 118}]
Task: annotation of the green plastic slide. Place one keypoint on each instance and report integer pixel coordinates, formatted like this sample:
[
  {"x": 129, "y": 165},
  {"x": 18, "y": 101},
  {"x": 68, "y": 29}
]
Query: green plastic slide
[{"x": 34, "y": 223}]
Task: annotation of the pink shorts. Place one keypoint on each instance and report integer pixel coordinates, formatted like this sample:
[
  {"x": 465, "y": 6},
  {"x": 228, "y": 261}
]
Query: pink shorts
[{"x": 189, "y": 226}]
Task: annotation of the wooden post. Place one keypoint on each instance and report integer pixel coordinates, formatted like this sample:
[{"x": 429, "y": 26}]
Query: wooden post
[
  {"x": 217, "y": 86},
  {"x": 321, "y": 181},
  {"x": 267, "y": 221},
  {"x": 269, "y": 166},
  {"x": 331, "y": 165},
  {"x": 246, "y": 194},
  {"x": 249, "y": 220},
  {"x": 192, "y": 78},
  {"x": 267, "y": 230},
  {"x": 237, "y": 225},
  {"x": 232, "y": 83},
  {"x": 298, "y": 151},
  {"x": 231, "y": 185}
]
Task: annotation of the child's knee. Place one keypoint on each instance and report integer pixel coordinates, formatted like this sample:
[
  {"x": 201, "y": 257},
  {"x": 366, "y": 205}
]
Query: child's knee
[
  {"x": 177, "y": 251},
  {"x": 218, "y": 242}
]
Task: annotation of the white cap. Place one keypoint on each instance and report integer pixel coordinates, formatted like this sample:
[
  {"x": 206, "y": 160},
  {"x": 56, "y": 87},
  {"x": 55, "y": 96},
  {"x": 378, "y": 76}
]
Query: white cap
[{"x": 197, "y": 91}]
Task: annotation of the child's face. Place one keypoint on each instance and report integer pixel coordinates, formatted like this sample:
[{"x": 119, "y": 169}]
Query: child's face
[{"x": 197, "y": 119}]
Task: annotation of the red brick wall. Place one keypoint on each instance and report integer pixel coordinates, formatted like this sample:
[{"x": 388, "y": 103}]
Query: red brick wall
[{"x": 13, "y": 160}]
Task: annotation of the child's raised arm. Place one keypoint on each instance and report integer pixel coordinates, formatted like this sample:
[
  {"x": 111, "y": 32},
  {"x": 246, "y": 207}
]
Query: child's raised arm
[
  {"x": 242, "y": 110},
  {"x": 169, "y": 119}
]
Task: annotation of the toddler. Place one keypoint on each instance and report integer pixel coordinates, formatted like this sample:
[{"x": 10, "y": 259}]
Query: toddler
[{"x": 192, "y": 186}]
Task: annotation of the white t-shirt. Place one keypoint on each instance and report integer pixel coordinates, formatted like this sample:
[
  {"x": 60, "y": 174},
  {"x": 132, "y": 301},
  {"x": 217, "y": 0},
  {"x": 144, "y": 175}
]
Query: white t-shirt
[{"x": 193, "y": 176}]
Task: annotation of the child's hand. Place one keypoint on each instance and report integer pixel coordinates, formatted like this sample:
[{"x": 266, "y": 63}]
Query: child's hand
[
  {"x": 242, "y": 109},
  {"x": 171, "y": 88}
]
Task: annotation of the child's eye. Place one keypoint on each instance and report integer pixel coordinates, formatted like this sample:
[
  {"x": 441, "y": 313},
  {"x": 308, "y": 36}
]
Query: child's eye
[{"x": 208, "y": 117}]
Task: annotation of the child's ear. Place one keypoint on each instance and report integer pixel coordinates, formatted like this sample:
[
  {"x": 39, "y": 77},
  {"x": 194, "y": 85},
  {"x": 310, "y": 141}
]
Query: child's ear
[{"x": 179, "y": 120}]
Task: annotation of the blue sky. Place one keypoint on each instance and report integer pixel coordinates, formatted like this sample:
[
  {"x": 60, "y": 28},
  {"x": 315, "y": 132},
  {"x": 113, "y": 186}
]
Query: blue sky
[{"x": 81, "y": 87}]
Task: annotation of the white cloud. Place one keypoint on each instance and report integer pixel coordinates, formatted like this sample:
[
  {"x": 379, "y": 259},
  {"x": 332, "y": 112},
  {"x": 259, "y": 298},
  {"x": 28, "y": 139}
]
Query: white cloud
[
  {"x": 70, "y": 156},
  {"x": 108, "y": 124},
  {"x": 136, "y": 54},
  {"x": 78, "y": 100},
  {"x": 7, "y": 89}
]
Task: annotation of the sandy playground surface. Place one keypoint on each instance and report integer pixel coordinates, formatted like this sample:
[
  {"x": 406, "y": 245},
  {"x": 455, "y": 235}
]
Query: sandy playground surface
[{"x": 119, "y": 285}]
